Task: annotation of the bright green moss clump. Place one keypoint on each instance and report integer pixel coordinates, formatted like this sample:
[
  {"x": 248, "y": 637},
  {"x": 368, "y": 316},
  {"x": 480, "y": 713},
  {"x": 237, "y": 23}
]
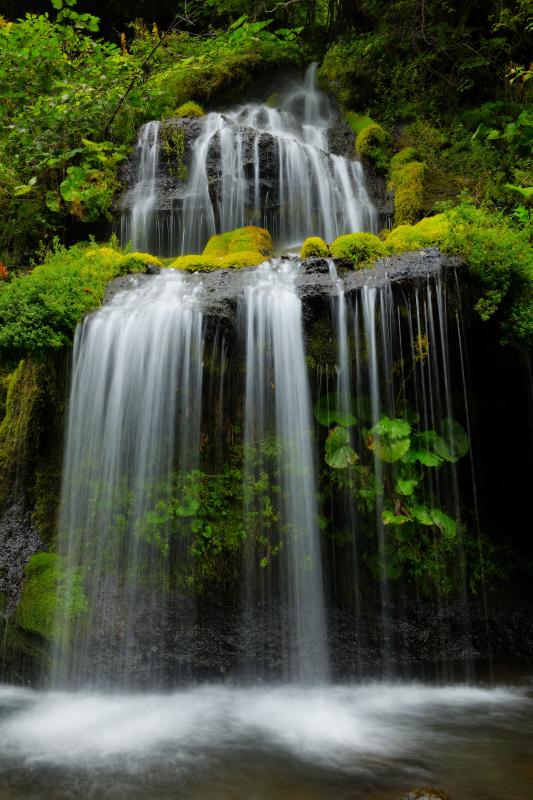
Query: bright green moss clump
[
  {"x": 314, "y": 247},
  {"x": 189, "y": 109},
  {"x": 407, "y": 180},
  {"x": 361, "y": 249},
  {"x": 374, "y": 144},
  {"x": 358, "y": 122},
  {"x": 40, "y": 310},
  {"x": 429, "y": 232},
  {"x": 243, "y": 247},
  {"x": 51, "y": 596}
]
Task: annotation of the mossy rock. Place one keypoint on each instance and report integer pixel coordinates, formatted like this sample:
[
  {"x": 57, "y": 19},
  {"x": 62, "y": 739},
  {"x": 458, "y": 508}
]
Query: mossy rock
[
  {"x": 358, "y": 122},
  {"x": 361, "y": 250},
  {"x": 314, "y": 247},
  {"x": 242, "y": 247},
  {"x": 398, "y": 161},
  {"x": 374, "y": 144},
  {"x": 408, "y": 181},
  {"x": 51, "y": 596},
  {"x": 140, "y": 262},
  {"x": 429, "y": 232},
  {"x": 188, "y": 110}
]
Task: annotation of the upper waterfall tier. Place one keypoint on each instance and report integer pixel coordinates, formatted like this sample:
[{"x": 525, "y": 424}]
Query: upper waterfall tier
[{"x": 255, "y": 164}]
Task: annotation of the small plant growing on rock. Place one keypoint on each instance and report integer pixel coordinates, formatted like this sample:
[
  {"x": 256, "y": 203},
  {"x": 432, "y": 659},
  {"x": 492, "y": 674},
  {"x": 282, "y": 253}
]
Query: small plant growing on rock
[
  {"x": 314, "y": 247},
  {"x": 360, "y": 249}
]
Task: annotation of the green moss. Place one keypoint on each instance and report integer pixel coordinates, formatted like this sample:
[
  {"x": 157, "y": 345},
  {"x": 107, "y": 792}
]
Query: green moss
[
  {"x": 139, "y": 262},
  {"x": 408, "y": 184},
  {"x": 429, "y": 232},
  {"x": 173, "y": 146},
  {"x": 240, "y": 240},
  {"x": 358, "y": 122},
  {"x": 40, "y": 311},
  {"x": 314, "y": 247},
  {"x": 398, "y": 161},
  {"x": 51, "y": 596},
  {"x": 243, "y": 247},
  {"x": 18, "y": 433},
  {"x": 189, "y": 109},
  {"x": 360, "y": 249},
  {"x": 374, "y": 144}
]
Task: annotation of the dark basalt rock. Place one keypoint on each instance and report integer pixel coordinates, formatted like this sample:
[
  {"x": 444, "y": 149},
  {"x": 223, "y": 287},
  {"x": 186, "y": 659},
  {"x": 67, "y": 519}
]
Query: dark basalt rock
[{"x": 19, "y": 540}]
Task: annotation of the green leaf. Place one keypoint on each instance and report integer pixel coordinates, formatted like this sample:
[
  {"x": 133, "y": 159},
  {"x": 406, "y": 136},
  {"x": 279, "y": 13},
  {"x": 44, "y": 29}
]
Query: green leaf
[
  {"x": 406, "y": 487},
  {"x": 393, "y": 428},
  {"x": 338, "y": 453},
  {"x": 326, "y": 412},
  {"x": 389, "y": 451},
  {"x": 425, "y": 457},
  {"x": 390, "y": 518},
  {"x": 422, "y": 514},
  {"x": 437, "y": 444},
  {"x": 456, "y": 437},
  {"x": 447, "y": 525}
]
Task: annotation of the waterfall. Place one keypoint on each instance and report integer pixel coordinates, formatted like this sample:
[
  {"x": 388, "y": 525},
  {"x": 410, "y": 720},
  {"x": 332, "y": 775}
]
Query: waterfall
[
  {"x": 395, "y": 350},
  {"x": 255, "y": 164},
  {"x": 278, "y": 414},
  {"x": 142, "y": 226},
  {"x": 134, "y": 416}
]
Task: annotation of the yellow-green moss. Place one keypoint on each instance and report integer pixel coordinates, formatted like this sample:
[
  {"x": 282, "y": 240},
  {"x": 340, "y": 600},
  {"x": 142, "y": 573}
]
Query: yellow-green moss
[
  {"x": 398, "y": 161},
  {"x": 361, "y": 249},
  {"x": 18, "y": 433},
  {"x": 243, "y": 247},
  {"x": 429, "y": 232},
  {"x": 408, "y": 184},
  {"x": 374, "y": 144},
  {"x": 51, "y": 596},
  {"x": 248, "y": 239},
  {"x": 189, "y": 109},
  {"x": 314, "y": 247},
  {"x": 358, "y": 122},
  {"x": 139, "y": 262}
]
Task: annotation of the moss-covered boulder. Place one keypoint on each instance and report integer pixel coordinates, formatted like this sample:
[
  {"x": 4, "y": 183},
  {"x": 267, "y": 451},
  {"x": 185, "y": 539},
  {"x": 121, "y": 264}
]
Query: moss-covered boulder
[
  {"x": 374, "y": 144},
  {"x": 359, "y": 249},
  {"x": 408, "y": 182},
  {"x": 51, "y": 596},
  {"x": 242, "y": 247},
  {"x": 188, "y": 110},
  {"x": 314, "y": 247},
  {"x": 429, "y": 232}
]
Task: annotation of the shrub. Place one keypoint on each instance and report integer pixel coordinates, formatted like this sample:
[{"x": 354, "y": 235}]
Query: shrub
[
  {"x": 40, "y": 310},
  {"x": 360, "y": 249},
  {"x": 189, "y": 109},
  {"x": 314, "y": 247},
  {"x": 374, "y": 144}
]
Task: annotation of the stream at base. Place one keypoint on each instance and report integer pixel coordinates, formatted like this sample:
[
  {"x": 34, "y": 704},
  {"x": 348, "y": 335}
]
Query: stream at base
[{"x": 215, "y": 742}]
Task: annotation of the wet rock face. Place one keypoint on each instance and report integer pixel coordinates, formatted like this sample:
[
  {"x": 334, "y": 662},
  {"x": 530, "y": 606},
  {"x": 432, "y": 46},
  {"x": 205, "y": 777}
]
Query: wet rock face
[
  {"x": 19, "y": 540},
  {"x": 425, "y": 794}
]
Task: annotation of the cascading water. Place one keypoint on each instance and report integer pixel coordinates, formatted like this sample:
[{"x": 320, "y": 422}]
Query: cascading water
[
  {"x": 143, "y": 224},
  {"x": 394, "y": 354},
  {"x": 278, "y": 415},
  {"x": 134, "y": 416},
  {"x": 260, "y": 165}
]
